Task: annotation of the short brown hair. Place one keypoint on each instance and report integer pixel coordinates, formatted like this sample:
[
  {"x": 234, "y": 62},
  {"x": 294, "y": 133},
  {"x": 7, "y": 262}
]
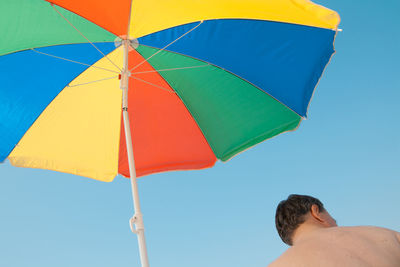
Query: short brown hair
[{"x": 290, "y": 214}]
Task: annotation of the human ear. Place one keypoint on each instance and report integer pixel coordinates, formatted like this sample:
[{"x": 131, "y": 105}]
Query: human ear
[
  {"x": 323, "y": 217},
  {"x": 316, "y": 214}
]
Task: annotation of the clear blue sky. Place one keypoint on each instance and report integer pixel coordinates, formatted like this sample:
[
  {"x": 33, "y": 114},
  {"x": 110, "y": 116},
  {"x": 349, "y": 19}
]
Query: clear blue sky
[{"x": 347, "y": 153}]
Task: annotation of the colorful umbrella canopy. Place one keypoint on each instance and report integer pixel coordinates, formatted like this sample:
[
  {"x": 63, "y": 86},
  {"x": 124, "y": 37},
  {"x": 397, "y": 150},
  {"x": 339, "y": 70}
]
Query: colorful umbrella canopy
[{"x": 207, "y": 80}]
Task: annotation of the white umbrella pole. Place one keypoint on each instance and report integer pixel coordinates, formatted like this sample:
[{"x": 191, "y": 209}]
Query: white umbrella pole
[{"x": 136, "y": 222}]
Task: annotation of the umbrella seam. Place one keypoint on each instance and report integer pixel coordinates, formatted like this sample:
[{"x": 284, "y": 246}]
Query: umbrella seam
[
  {"x": 211, "y": 64},
  {"x": 65, "y": 86},
  {"x": 276, "y": 21},
  {"x": 183, "y": 102},
  {"x": 69, "y": 60},
  {"x": 70, "y": 23},
  {"x": 164, "y": 48},
  {"x": 194, "y": 117},
  {"x": 51, "y": 3},
  {"x": 46, "y": 46}
]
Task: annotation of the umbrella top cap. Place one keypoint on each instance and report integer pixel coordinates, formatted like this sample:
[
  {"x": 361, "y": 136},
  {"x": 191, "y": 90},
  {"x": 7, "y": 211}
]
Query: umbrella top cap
[{"x": 133, "y": 43}]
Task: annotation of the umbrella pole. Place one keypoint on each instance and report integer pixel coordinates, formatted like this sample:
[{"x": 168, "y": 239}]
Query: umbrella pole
[{"x": 136, "y": 222}]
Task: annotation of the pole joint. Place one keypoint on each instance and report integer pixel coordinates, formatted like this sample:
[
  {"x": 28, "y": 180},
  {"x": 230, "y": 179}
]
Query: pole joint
[{"x": 136, "y": 223}]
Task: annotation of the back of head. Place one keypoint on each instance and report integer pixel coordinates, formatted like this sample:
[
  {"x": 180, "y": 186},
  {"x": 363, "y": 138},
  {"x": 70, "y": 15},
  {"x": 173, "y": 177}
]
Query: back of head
[{"x": 291, "y": 212}]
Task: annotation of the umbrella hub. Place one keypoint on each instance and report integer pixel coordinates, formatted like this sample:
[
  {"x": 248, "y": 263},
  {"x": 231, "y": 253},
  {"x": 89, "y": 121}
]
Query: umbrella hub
[{"x": 133, "y": 43}]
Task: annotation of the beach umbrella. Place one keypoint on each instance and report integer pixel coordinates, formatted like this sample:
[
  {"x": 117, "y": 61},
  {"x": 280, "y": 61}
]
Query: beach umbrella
[{"x": 99, "y": 88}]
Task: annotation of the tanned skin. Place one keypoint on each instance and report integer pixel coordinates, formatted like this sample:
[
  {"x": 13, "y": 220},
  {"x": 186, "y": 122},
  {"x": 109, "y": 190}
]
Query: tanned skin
[{"x": 320, "y": 242}]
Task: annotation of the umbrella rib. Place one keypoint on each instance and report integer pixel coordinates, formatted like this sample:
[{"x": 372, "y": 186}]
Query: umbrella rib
[
  {"x": 79, "y": 84},
  {"x": 183, "y": 68},
  {"x": 73, "y": 61},
  {"x": 85, "y": 37},
  {"x": 155, "y": 85},
  {"x": 147, "y": 59}
]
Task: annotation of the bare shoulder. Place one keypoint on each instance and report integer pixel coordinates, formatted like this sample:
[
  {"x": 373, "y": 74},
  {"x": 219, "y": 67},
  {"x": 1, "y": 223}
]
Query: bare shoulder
[
  {"x": 362, "y": 228},
  {"x": 278, "y": 261},
  {"x": 366, "y": 245},
  {"x": 398, "y": 237},
  {"x": 275, "y": 264},
  {"x": 365, "y": 230}
]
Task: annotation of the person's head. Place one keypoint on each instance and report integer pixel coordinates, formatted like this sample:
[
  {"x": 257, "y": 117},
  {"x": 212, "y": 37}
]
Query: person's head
[{"x": 296, "y": 210}]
